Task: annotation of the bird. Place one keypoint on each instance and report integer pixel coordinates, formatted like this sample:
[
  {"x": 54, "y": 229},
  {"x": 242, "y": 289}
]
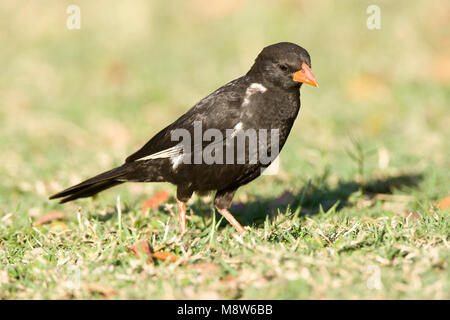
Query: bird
[{"x": 265, "y": 100}]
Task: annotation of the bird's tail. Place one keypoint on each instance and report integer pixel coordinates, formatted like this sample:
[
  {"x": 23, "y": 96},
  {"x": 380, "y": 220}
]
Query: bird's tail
[{"x": 93, "y": 185}]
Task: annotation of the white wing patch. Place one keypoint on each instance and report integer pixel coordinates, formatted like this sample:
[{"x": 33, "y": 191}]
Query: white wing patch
[
  {"x": 252, "y": 89},
  {"x": 167, "y": 153},
  {"x": 174, "y": 154},
  {"x": 176, "y": 161},
  {"x": 238, "y": 127}
]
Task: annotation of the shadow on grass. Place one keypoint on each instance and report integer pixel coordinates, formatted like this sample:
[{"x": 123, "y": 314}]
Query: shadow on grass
[
  {"x": 310, "y": 199},
  {"x": 316, "y": 195}
]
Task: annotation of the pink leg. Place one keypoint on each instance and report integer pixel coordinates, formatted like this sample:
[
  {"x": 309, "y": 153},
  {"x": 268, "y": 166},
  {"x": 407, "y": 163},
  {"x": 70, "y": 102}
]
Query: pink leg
[
  {"x": 231, "y": 220},
  {"x": 182, "y": 215}
]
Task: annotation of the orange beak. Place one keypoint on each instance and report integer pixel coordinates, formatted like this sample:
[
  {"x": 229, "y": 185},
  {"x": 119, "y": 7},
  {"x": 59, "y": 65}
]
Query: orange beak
[{"x": 305, "y": 75}]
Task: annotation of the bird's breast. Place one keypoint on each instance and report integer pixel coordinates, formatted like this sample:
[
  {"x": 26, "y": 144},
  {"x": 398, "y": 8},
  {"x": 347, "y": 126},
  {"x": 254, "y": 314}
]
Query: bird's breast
[{"x": 270, "y": 109}]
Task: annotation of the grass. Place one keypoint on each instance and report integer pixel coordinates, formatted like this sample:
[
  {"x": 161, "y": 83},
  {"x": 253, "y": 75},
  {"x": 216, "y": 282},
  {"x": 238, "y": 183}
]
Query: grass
[{"x": 351, "y": 214}]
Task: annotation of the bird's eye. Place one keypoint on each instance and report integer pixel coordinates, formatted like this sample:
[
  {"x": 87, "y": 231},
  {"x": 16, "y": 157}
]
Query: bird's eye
[{"x": 283, "y": 67}]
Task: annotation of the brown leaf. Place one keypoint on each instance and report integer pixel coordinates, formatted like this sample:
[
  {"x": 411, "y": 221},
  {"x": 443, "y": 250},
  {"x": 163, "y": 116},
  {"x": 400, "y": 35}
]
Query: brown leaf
[
  {"x": 55, "y": 215},
  {"x": 154, "y": 202},
  {"x": 165, "y": 256},
  {"x": 228, "y": 279},
  {"x": 412, "y": 215},
  {"x": 444, "y": 203},
  {"x": 142, "y": 246}
]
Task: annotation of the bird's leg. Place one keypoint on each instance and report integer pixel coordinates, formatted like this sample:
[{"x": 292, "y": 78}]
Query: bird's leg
[
  {"x": 227, "y": 215},
  {"x": 182, "y": 215},
  {"x": 222, "y": 201},
  {"x": 183, "y": 195}
]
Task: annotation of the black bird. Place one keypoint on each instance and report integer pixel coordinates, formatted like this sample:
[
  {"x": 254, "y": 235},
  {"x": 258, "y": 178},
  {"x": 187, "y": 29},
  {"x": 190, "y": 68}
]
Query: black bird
[{"x": 266, "y": 99}]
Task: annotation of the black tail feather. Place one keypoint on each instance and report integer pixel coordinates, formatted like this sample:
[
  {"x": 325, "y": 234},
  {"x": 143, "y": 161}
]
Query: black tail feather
[
  {"x": 91, "y": 190},
  {"x": 93, "y": 185}
]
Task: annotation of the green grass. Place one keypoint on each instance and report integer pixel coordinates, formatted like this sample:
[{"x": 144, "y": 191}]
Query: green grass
[{"x": 370, "y": 146}]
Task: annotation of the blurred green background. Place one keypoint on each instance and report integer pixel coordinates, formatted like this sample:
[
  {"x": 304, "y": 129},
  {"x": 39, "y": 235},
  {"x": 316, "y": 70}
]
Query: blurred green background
[{"x": 74, "y": 103}]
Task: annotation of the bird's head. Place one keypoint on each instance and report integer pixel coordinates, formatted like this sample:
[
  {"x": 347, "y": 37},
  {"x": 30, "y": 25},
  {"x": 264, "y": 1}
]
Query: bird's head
[{"x": 284, "y": 65}]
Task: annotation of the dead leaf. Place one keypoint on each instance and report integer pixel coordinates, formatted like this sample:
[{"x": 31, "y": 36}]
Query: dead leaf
[
  {"x": 154, "y": 202},
  {"x": 444, "y": 203},
  {"x": 55, "y": 215},
  {"x": 142, "y": 246},
  {"x": 165, "y": 256},
  {"x": 229, "y": 279},
  {"x": 412, "y": 215}
]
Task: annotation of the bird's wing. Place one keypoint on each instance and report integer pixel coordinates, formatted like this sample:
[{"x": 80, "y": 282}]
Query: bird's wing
[{"x": 219, "y": 110}]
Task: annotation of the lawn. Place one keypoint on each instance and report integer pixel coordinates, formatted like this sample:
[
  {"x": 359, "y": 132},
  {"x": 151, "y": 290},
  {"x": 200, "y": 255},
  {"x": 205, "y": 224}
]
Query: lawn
[{"x": 357, "y": 209}]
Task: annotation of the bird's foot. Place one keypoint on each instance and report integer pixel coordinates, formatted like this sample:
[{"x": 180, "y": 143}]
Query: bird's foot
[{"x": 227, "y": 215}]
